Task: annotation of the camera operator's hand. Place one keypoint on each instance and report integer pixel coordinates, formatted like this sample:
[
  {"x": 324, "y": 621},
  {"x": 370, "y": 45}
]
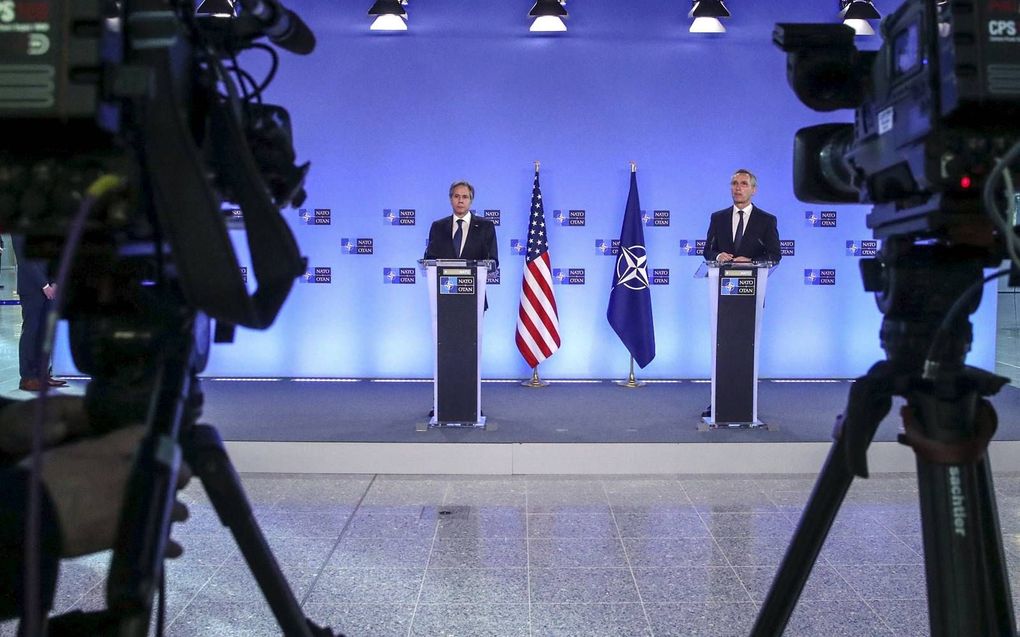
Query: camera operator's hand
[
  {"x": 65, "y": 419},
  {"x": 86, "y": 481}
]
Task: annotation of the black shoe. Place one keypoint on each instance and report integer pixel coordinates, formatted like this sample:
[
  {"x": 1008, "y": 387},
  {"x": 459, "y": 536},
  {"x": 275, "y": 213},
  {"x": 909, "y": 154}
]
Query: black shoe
[{"x": 707, "y": 412}]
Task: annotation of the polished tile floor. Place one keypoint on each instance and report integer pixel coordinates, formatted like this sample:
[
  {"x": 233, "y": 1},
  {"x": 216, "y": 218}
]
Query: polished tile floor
[{"x": 542, "y": 556}]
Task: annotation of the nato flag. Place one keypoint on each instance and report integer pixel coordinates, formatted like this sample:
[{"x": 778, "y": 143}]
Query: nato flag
[{"x": 630, "y": 301}]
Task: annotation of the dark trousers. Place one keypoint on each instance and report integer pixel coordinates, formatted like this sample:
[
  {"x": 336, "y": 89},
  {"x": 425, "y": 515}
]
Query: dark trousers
[{"x": 34, "y": 308}]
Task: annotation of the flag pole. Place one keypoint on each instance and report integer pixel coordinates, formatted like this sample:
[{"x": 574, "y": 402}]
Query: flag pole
[
  {"x": 632, "y": 382},
  {"x": 535, "y": 382}
]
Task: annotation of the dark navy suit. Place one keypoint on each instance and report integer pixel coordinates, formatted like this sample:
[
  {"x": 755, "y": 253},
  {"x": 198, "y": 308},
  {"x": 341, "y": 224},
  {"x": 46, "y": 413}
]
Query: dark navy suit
[
  {"x": 480, "y": 243},
  {"x": 761, "y": 236}
]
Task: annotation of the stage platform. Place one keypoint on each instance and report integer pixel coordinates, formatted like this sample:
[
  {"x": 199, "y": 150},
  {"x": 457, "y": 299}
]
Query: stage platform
[{"x": 352, "y": 426}]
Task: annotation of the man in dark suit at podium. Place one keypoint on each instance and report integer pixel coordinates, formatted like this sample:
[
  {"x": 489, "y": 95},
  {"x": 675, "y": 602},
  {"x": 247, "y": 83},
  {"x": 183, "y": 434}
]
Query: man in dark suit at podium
[
  {"x": 462, "y": 235},
  {"x": 742, "y": 232}
]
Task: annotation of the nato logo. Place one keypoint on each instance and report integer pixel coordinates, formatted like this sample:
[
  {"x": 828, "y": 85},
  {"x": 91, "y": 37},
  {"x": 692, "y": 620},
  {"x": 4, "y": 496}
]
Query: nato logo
[
  {"x": 737, "y": 286},
  {"x": 518, "y": 248},
  {"x": 787, "y": 247},
  {"x": 568, "y": 276},
  {"x": 456, "y": 285},
  {"x": 825, "y": 276},
  {"x": 399, "y": 276},
  {"x": 316, "y": 216},
  {"x": 357, "y": 246},
  {"x": 492, "y": 278},
  {"x": 244, "y": 273},
  {"x": 692, "y": 248},
  {"x": 571, "y": 218},
  {"x": 660, "y": 276},
  {"x": 492, "y": 215},
  {"x": 861, "y": 247},
  {"x": 317, "y": 275},
  {"x": 655, "y": 219},
  {"x": 402, "y": 217},
  {"x": 823, "y": 219},
  {"x": 607, "y": 248}
]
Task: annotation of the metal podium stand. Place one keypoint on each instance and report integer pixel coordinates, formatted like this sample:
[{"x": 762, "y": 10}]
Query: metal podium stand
[
  {"x": 737, "y": 302},
  {"x": 457, "y": 302}
]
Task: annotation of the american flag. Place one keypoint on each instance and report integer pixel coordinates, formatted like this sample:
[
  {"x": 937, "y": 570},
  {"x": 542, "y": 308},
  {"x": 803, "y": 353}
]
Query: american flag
[{"x": 538, "y": 326}]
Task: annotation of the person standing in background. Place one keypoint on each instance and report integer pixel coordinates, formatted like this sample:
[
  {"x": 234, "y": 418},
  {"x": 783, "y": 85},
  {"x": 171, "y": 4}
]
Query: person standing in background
[{"x": 36, "y": 293}]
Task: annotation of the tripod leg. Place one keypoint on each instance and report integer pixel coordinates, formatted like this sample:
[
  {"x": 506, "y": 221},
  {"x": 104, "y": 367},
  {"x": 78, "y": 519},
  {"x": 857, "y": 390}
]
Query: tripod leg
[
  {"x": 968, "y": 587},
  {"x": 204, "y": 452},
  {"x": 819, "y": 514},
  {"x": 868, "y": 403}
]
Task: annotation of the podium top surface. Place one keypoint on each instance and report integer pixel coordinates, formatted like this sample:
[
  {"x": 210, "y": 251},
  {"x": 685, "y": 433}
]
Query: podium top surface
[
  {"x": 488, "y": 264},
  {"x": 703, "y": 269}
]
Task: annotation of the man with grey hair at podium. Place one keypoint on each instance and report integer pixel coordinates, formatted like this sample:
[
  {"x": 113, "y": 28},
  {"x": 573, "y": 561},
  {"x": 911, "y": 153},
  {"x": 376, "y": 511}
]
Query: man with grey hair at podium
[
  {"x": 462, "y": 235},
  {"x": 743, "y": 232}
]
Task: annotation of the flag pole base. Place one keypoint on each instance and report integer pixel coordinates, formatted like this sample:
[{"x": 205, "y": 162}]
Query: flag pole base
[
  {"x": 535, "y": 382},
  {"x": 630, "y": 383}
]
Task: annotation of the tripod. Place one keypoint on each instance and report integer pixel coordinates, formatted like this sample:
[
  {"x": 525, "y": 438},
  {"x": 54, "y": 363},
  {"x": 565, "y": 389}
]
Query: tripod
[
  {"x": 144, "y": 357},
  {"x": 948, "y": 424}
]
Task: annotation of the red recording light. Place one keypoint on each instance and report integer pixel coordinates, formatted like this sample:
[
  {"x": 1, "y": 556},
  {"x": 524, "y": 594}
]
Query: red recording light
[{"x": 965, "y": 182}]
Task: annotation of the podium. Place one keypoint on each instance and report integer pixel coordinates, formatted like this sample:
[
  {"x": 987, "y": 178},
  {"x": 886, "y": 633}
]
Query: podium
[
  {"x": 457, "y": 301},
  {"x": 736, "y": 303}
]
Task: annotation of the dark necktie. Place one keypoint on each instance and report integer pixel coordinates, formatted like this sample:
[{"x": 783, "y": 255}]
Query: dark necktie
[
  {"x": 740, "y": 231},
  {"x": 458, "y": 236}
]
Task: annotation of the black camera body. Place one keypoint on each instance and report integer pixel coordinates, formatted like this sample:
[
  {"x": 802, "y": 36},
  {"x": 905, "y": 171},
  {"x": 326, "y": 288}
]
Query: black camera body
[
  {"x": 65, "y": 111},
  {"x": 933, "y": 105},
  {"x": 145, "y": 91}
]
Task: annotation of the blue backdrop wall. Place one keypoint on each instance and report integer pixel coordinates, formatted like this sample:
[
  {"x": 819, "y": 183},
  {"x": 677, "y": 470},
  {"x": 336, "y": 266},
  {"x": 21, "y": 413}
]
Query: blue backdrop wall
[{"x": 389, "y": 121}]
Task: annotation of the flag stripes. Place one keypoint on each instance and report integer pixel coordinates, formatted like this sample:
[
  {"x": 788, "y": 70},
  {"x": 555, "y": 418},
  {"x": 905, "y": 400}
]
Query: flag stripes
[{"x": 538, "y": 328}]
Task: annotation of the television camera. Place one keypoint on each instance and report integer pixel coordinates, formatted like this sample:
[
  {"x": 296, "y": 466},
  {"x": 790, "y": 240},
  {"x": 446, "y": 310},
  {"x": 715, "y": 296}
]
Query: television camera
[{"x": 932, "y": 146}]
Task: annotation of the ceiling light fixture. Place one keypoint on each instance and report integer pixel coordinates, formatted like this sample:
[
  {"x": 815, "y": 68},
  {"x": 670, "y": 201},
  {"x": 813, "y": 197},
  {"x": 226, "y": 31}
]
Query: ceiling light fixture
[
  {"x": 390, "y": 16},
  {"x": 216, "y": 8},
  {"x": 548, "y": 16},
  {"x": 856, "y": 15},
  {"x": 706, "y": 14}
]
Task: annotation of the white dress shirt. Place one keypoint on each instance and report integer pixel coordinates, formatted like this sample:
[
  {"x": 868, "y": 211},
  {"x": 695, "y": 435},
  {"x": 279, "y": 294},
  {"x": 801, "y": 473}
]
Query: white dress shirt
[{"x": 736, "y": 218}]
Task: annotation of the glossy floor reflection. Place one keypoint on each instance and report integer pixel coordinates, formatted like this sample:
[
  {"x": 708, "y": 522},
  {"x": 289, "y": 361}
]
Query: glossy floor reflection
[{"x": 542, "y": 556}]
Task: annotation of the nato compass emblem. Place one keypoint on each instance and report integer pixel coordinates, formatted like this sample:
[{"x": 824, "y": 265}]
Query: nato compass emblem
[
  {"x": 861, "y": 248},
  {"x": 609, "y": 248},
  {"x": 632, "y": 267},
  {"x": 728, "y": 287},
  {"x": 692, "y": 247},
  {"x": 306, "y": 216},
  {"x": 822, "y": 219}
]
